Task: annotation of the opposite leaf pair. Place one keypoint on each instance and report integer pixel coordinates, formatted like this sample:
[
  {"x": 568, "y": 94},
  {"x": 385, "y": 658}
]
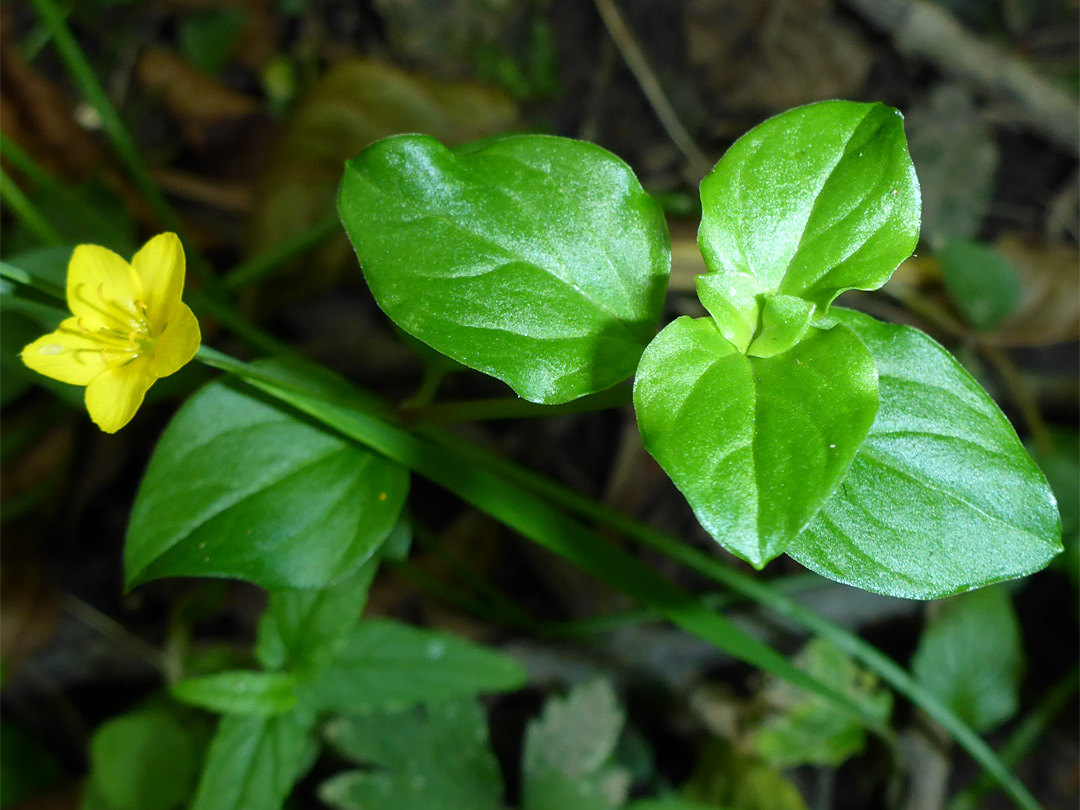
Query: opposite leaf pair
[{"x": 542, "y": 262}]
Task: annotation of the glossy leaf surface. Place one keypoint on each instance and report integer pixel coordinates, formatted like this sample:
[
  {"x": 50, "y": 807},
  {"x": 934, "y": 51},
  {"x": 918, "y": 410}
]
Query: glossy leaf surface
[
  {"x": 240, "y": 488},
  {"x": 535, "y": 259},
  {"x": 941, "y": 497},
  {"x": 755, "y": 444},
  {"x": 817, "y": 200}
]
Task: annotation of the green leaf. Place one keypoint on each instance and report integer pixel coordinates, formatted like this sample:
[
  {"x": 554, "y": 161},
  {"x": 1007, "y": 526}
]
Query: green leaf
[
  {"x": 941, "y": 497},
  {"x": 725, "y": 777},
  {"x": 755, "y": 444},
  {"x": 535, "y": 259},
  {"x": 983, "y": 283},
  {"x": 815, "y": 201},
  {"x": 952, "y": 146},
  {"x": 1060, "y": 463},
  {"x": 244, "y": 692},
  {"x": 970, "y": 656},
  {"x": 253, "y": 762},
  {"x": 241, "y": 488},
  {"x": 209, "y": 38},
  {"x": 304, "y": 630},
  {"x": 804, "y": 729},
  {"x": 568, "y": 751},
  {"x": 144, "y": 760},
  {"x": 669, "y": 803},
  {"x": 387, "y": 664},
  {"x": 434, "y": 757}
]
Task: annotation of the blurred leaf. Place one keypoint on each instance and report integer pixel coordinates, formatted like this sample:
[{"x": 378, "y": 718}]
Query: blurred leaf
[
  {"x": 354, "y": 104},
  {"x": 1061, "y": 466},
  {"x": 760, "y": 57},
  {"x": 239, "y": 488},
  {"x": 386, "y": 664},
  {"x": 970, "y": 657},
  {"x": 200, "y": 104},
  {"x": 304, "y": 630},
  {"x": 144, "y": 760},
  {"x": 670, "y": 803},
  {"x": 804, "y": 729},
  {"x": 208, "y": 38},
  {"x": 983, "y": 283},
  {"x": 433, "y": 757},
  {"x": 1049, "y": 309},
  {"x": 27, "y": 767},
  {"x": 952, "y": 146},
  {"x": 444, "y": 35},
  {"x": 726, "y": 778},
  {"x": 567, "y": 764},
  {"x": 253, "y": 762},
  {"x": 242, "y": 692}
]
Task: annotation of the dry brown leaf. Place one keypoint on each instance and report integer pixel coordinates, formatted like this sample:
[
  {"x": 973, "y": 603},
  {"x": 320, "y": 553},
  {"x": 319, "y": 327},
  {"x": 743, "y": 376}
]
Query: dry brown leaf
[
  {"x": 1049, "y": 311},
  {"x": 774, "y": 55},
  {"x": 204, "y": 108},
  {"x": 356, "y": 103}
]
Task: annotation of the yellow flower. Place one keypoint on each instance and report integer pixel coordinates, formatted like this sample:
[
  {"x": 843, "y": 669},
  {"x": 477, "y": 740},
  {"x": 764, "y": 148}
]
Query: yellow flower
[{"x": 129, "y": 328}]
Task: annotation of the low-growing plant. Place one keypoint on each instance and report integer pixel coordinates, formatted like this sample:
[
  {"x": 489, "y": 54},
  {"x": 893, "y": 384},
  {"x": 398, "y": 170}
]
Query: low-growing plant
[{"x": 861, "y": 449}]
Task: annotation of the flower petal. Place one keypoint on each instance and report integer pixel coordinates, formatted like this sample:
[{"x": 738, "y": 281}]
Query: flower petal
[
  {"x": 69, "y": 354},
  {"x": 178, "y": 343},
  {"x": 114, "y": 396},
  {"x": 100, "y": 287},
  {"x": 160, "y": 266}
]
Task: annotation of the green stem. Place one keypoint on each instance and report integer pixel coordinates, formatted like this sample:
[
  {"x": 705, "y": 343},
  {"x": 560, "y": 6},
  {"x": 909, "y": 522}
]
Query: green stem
[
  {"x": 484, "y": 410},
  {"x": 538, "y": 521},
  {"x": 761, "y": 593},
  {"x": 1023, "y": 739},
  {"x": 26, "y": 212},
  {"x": 128, "y": 151},
  {"x": 266, "y": 263}
]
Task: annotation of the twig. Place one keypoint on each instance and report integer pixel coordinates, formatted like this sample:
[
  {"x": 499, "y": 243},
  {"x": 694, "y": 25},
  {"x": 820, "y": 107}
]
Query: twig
[
  {"x": 650, "y": 86},
  {"x": 923, "y": 29}
]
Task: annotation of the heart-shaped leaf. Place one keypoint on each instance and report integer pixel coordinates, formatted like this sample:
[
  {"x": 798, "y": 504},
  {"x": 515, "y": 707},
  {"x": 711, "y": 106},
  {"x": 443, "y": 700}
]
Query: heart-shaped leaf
[
  {"x": 535, "y": 259},
  {"x": 815, "y": 201},
  {"x": 755, "y": 444},
  {"x": 941, "y": 497}
]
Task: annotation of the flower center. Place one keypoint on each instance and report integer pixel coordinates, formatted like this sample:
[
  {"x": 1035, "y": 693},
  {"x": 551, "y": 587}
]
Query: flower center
[{"x": 125, "y": 336}]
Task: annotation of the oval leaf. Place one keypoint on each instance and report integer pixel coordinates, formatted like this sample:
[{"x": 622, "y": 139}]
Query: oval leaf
[
  {"x": 941, "y": 497},
  {"x": 259, "y": 694},
  {"x": 239, "y": 488},
  {"x": 815, "y": 201},
  {"x": 535, "y": 259},
  {"x": 755, "y": 444}
]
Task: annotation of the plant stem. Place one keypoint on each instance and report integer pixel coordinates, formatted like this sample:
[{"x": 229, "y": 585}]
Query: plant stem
[
  {"x": 125, "y": 147},
  {"x": 278, "y": 255},
  {"x": 26, "y": 212},
  {"x": 1023, "y": 739},
  {"x": 761, "y": 593},
  {"x": 484, "y": 410}
]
